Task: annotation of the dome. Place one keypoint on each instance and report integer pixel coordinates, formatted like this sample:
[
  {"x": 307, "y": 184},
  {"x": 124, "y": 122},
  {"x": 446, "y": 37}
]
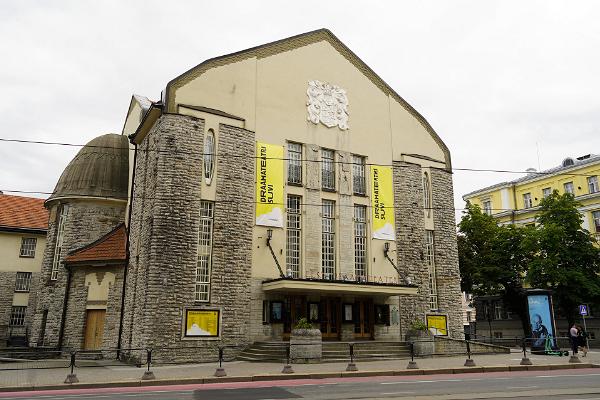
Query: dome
[{"x": 100, "y": 169}]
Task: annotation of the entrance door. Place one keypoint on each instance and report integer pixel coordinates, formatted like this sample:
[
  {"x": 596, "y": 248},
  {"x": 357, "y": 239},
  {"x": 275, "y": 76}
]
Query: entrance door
[
  {"x": 294, "y": 309},
  {"x": 94, "y": 328},
  {"x": 331, "y": 315},
  {"x": 363, "y": 319}
]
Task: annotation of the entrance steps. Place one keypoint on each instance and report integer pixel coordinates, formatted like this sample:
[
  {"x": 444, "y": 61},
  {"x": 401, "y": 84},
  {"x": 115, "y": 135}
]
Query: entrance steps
[{"x": 332, "y": 351}]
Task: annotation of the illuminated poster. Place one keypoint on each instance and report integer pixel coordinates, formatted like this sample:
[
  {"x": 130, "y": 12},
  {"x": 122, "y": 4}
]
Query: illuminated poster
[
  {"x": 382, "y": 203},
  {"x": 540, "y": 318},
  {"x": 202, "y": 323},
  {"x": 269, "y": 185},
  {"x": 437, "y": 325}
]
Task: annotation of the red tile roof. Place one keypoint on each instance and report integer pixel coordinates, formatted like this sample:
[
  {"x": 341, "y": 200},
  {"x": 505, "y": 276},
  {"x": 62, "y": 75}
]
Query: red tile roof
[
  {"x": 110, "y": 247},
  {"x": 22, "y": 212}
]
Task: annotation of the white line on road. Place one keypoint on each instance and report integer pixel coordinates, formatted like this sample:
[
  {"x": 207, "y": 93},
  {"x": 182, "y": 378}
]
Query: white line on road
[
  {"x": 522, "y": 387},
  {"x": 393, "y": 393},
  {"x": 441, "y": 380},
  {"x": 564, "y": 376}
]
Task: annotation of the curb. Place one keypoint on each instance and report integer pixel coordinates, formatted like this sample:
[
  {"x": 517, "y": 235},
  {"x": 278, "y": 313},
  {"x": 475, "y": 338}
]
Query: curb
[{"x": 313, "y": 375}]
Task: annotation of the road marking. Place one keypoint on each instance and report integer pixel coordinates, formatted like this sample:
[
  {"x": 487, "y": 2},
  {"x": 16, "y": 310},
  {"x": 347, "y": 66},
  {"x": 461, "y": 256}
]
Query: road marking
[
  {"x": 564, "y": 376},
  {"x": 522, "y": 387},
  {"x": 393, "y": 393},
  {"x": 441, "y": 380}
]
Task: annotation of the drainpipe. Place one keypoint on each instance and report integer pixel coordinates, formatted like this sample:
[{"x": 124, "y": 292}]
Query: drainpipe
[
  {"x": 125, "y": 267},
  {"x": 64, "y": 313}
]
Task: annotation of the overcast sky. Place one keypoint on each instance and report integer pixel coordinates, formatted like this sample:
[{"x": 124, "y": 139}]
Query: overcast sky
[{"x": 497, "y": 80}]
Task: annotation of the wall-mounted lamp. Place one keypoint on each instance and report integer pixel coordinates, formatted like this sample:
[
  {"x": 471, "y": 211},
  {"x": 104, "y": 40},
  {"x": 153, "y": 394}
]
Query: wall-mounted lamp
[
  {"x": 386, "y": 248},
  {"x": 269, "y": 235}
]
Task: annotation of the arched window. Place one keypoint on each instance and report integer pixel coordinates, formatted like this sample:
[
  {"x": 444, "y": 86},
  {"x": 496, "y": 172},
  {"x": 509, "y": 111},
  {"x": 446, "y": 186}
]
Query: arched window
[
  {"x": 209, "y": 156},
  {"x": 426, "y": 194}
]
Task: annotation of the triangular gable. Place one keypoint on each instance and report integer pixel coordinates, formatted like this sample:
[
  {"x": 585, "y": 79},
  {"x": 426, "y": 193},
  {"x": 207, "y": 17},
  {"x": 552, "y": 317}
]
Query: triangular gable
[{"x": 109, "y": 248}]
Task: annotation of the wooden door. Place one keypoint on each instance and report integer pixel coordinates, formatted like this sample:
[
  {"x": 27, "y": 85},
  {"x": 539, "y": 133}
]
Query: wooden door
[
  {"x": 363, "y": 319},
  {"x": 294, "y": 309},
  {"x": 94, "y": 329},
  {"x": 331, "y": 315}
]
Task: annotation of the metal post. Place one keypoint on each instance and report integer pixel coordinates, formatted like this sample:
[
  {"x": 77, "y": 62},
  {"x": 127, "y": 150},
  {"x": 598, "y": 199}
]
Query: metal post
[
  {"x": 72, "y": 377},
  {"x": 587, "y": 344},
  {"x": 220, "y": 371},
  {"x": 148, "y": 374},
  {"x": 412, "y": 364},
  {"x": 287, "y": 368},
  {"x": 469, "y": 362},
  {"x": 351, "y": 365},
  {"x": 525, "y": 360}
]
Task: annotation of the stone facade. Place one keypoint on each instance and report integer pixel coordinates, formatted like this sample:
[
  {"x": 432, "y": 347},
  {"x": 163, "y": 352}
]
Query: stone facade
[{"x": 7, "y": 290}]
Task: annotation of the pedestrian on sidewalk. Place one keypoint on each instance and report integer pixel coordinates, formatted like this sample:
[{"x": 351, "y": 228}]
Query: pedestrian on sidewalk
[
  {"x": 582, "y": 337},
  {"x": 574, "y": 338}
]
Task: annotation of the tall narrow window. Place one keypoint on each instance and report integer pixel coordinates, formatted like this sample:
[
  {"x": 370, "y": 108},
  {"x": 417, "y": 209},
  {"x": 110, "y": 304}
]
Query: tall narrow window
[
  {"x": 360, "y": 242},
  {"x": 426, "y": 194},
  {"x": 60, "y": 232},
  {"x": 28, "y": 247},
  {"x": 327, "y": 169},
  {"x": 23, "y": 282},
  {"x": 596, "y": 217},
  {"x": 209, "y": 156},
  {"x": 359, "y": 185},
  {"x": 328, "y": 240},
  {"x": 17, "y": 315},
  {"x": 593, "y": 184},
  {"x": 487, "y": 207},
  {"x": 430, "y": 259},
  {"x": 294, "y": 163},
  {"x": 527, "y": 201},
  {"x": 569, "y": 187},
  {"x": 294, "y": 235},
  {"x": 202, "y": 284},
  {"x": 546, "y": 192}
]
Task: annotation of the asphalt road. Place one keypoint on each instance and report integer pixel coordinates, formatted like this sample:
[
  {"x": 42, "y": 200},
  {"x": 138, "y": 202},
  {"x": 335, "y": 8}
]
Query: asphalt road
[{"x": 579, "y": 384}]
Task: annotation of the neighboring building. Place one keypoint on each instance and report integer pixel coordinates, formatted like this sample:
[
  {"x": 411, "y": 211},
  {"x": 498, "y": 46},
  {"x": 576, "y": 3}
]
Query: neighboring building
[
  {"x": 518, "y": 202},
  {"x": 279, "y": 182},
  {"x": 23, "y": 227},
  {"x": 468, "y": 308}
]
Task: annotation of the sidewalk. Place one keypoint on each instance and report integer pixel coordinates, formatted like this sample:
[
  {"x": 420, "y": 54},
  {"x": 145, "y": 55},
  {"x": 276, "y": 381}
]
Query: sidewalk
[{"x": 126, "y": 375}]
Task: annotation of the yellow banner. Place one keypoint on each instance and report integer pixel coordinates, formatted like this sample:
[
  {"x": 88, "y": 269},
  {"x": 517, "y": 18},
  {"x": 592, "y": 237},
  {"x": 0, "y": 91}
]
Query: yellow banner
[
  {"x": 382, "y": 203},
  {"x": 269, "y": 185},
  {"x": 437, "y": 325},
  {"x": 201, "y": 323}
]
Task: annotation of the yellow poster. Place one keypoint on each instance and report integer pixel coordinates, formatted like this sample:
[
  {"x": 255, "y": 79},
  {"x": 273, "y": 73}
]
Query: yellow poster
[
  {"x": 202, "y": 323},
  {"x": 269, "y": 185},
  {"x": 382, "y": 203},
  {"x": 437, "y": 325}
]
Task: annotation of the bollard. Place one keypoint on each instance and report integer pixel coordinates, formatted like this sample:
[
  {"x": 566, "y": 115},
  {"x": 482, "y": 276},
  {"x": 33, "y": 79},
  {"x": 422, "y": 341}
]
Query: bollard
[
  {"x": 351, "y": 365},
  {"x": 525, "y": 360},
  {"x": 72, "y": 378},
  {"x": 148, "y": 374},
  {"x": 220, "y": 371},
  {"x": 574, "y": 359},
  {"x": 469, "y": 362},
  {"x": 287, "y": 368},
  {"x": 412, "y": 364}
]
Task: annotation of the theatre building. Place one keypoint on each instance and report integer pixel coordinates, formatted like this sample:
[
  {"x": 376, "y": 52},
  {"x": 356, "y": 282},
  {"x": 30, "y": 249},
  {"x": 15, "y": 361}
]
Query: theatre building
[{"x": 281, "y": 182}]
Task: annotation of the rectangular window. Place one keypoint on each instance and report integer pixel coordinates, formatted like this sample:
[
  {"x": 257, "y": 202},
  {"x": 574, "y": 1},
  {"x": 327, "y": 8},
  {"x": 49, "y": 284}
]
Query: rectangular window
[
  {"x": 203, "y": 265},
  {"x": 546, "y": 192},
  {"x": 527, "y": 202},
  {"x": 430, "y": 259},
  {"x": 360, "y": 242},
  {"x": 469, "y": 316},
  {"x": 23, "y": 282},
  {"x": 17, "y": 315},
  {"x": 265, "y": 312},
  {"x": 294, "y": 235},
  {"x": 60, "y": 232},
  {"x": 596, "y": 218},
  {"x": 487, "y": 207},
  {"x": 28, "y": 247},
  {"x": 359, "y": 182},
  {"x": 328, "y": 169},
  {"x": 569, "y": 187},
  {"x": 497, "y": 310},
  {"x": 328, "y": 240},
  {"x": 294, "y": 163},
  {"x": 593, "y": 184}
]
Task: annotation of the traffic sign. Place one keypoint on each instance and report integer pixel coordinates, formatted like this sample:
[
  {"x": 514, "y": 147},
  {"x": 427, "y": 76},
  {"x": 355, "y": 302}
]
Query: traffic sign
[{"x": 583, "y": 310}]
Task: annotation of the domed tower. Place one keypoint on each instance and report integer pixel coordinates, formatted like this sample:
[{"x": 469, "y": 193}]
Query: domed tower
[{"x": 82, "y": 268}]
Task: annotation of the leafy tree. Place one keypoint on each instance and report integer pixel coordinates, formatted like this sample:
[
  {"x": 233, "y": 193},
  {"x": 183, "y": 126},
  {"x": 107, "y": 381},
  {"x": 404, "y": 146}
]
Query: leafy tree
[{"x": 566, "y": 258}]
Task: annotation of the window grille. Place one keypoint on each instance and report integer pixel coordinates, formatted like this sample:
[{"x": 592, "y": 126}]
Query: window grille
[
  {"x": 359, "y": 183},
  {"x": 294, "y": 235},
  {"x": 209, "y": 156},
  {"x": 23, "y": 282},
  {"x": 17, "y": 315},
  {"x": 360, "y": 242},
  {"x": 427, "y": 194},
  {"x": 328, "y": 240},
  {"x": 60, "y": 232},
  {"x": 28, "y": 247},
  {"x": 328, "y": 169},
  {"x": 593, "y": 184},
  {"x": 569, "y": 187},
  {"x": 295, "y": 163},
  {"x": 203, "y": 266},
  {"x": 430, "y": 259},
  {"x": 527, "y": 202}
]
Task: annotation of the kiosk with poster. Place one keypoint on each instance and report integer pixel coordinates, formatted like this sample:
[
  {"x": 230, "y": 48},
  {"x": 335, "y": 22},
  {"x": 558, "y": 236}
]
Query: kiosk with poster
[
  {"x": 541, "y": 320},
  {"x": 437, "y": 325},
  {"x": 201, "y": 323}
]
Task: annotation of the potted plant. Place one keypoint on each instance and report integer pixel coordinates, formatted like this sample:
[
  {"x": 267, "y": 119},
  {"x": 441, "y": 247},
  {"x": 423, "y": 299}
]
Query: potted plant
[
  {"x": 306, "y": 344},
  {"x": 419, "y": 336}
]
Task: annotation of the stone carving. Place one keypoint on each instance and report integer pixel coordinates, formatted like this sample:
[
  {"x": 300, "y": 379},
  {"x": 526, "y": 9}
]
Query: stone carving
[{"x": 327, "y": 104}]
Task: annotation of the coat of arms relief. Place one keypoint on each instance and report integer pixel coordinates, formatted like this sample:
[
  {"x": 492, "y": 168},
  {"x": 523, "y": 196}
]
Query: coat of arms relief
[{"x": 327, "y": 104}]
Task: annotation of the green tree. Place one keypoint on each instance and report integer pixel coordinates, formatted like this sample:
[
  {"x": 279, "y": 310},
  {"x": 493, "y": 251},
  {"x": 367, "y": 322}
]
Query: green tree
[{"x": 566, "y": 256}]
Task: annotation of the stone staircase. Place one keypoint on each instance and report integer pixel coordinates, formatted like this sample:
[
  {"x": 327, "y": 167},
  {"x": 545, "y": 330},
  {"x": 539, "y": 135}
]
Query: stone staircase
[{"x": 332, "y": 351}]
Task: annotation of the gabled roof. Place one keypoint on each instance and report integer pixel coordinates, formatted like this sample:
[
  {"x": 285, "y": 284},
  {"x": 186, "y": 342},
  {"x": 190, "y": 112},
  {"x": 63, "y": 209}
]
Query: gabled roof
[
  {"x": 292, "y": 43},
  {"x": 109, "y": 248},
  {"x": 23, "y": 213}
]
